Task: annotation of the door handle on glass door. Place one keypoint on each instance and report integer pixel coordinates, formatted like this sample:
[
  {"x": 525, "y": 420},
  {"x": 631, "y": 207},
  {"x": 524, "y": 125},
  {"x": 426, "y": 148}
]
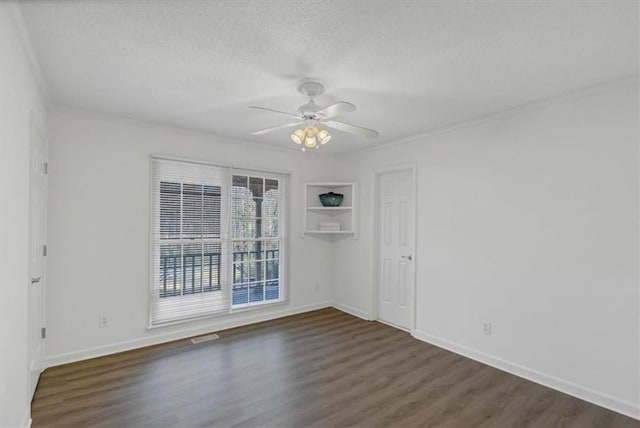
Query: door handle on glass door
[
  {"x": 35, "y": 280},
  {"x": 407, "y": 257}
]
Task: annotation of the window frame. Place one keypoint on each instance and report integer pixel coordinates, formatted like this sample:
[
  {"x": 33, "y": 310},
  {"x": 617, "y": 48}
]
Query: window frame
[{"x": 226, "y": 240}]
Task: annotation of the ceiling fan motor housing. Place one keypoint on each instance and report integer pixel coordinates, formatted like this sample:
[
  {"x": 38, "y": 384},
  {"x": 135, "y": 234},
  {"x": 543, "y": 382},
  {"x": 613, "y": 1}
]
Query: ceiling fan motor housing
[
  {"x": 308, "y": 111},
  {"x": 311, "y": 88}
]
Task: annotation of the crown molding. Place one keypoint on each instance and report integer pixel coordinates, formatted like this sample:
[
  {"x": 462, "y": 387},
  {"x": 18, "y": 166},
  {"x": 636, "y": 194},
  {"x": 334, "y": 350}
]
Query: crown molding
[
  {"x": 177, "y": 130},
  {"x": 512, "y": 111},
  {"x": 15, "y": 12}
]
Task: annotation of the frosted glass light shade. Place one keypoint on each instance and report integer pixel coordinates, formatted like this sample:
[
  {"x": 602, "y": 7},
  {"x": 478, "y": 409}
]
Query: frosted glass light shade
[
  {"x": 323, "y": 136},
  {"x": 298, "y": 136}
]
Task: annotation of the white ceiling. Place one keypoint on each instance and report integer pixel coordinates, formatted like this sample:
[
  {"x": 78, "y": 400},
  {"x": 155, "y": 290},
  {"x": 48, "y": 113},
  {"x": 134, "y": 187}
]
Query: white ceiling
[{"x": 410, "y": 67}]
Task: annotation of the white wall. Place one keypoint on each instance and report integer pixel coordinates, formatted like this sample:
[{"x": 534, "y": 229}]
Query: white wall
[
  {"x": 20, "y": 102},
  {"x": 528, "y": 220},
  {"x": 98, "y": 259}
]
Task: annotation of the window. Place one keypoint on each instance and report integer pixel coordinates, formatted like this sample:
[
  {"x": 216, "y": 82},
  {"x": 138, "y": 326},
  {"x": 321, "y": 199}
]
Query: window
[
  {"x": 190, "y": 240},
  {"x": 256, "y": 239},
  {"x": 198, "y": 266}
]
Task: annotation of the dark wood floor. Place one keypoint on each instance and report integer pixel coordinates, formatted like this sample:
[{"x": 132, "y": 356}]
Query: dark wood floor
[{"x": 323, "y": 368}]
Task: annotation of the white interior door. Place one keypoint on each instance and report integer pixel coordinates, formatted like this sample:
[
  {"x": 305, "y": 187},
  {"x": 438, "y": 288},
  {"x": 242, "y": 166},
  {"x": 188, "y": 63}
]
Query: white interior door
[
  {"x": 37, "y": 237},
  {"x": 396, "y": 242}
]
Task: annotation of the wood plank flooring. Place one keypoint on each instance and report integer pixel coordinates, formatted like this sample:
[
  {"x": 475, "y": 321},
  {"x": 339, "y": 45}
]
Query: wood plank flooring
[{"x": 319, "y": 369}]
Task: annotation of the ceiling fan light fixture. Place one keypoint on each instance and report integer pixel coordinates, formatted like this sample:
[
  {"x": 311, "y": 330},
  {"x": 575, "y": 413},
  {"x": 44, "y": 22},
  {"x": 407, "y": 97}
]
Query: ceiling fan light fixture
[{"x": 310, "y": 136}]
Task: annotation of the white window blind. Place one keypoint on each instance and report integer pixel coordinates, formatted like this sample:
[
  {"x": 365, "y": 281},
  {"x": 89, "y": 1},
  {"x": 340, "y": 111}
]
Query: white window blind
[
  {"x": 218, "y": 239},
  {"x": 189, "y": 229}
]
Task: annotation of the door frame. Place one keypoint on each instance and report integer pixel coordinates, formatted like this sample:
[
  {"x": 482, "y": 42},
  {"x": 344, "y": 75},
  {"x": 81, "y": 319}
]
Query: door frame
[
  {"x": 36, "y": 128},
  {"x": 375, "y": 189}
]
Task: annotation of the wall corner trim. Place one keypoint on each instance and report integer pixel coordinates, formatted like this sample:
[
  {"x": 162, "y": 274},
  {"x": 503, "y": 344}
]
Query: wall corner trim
[
  {"x": 601, "y": 399},
  {"x": 351, "y": 311},
  {"x": 25, "y": 39}
]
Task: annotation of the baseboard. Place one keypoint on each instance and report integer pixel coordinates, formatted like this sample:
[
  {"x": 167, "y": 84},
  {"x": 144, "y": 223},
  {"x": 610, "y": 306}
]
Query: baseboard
[
  {"x": 177, "y": 334},
  {"x": 570, "y": 388},
  {"x": 26, "y": 421},
  {"x": 604, "y": 400},
  {"x": 351, "y": 311}
]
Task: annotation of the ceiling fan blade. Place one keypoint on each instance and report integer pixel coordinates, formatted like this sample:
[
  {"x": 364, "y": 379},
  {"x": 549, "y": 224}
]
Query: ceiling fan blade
[
  {"x": 335, "y": 110},
  {"x": 274, "y": 128},
  {"x": 292, "y": 115},
  {"x": 352, "y": 129}
]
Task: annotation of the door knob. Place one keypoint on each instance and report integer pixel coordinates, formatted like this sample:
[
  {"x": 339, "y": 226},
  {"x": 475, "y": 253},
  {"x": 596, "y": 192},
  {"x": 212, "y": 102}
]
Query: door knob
[
  {"x": 407, "y": 257},
  {"x": 35, "y": 280}
]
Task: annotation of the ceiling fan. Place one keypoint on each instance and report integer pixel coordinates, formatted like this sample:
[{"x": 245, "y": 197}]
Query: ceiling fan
[{"x": 311, "y": 119}]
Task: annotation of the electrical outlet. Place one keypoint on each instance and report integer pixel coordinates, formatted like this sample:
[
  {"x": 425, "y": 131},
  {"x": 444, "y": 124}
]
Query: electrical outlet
[
  {"x": 486, "y": 327},
  {"x": 103, "y": 321}
]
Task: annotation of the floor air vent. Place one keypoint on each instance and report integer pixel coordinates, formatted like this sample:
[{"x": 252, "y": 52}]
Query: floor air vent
[{"x": 206, "y": 338}]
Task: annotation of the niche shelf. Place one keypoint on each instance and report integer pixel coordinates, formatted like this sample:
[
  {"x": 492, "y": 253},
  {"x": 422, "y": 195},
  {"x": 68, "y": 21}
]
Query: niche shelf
[{"x": 315, "y": 213}]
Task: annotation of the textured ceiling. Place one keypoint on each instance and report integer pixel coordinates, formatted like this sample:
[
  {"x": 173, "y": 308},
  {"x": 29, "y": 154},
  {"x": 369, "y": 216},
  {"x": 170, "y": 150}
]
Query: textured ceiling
[{"x": 410, "y": 67}]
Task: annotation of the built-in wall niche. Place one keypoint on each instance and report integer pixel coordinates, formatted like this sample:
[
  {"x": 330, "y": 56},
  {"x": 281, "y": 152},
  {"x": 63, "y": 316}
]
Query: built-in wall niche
[{"x": 332, "y": 221}]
